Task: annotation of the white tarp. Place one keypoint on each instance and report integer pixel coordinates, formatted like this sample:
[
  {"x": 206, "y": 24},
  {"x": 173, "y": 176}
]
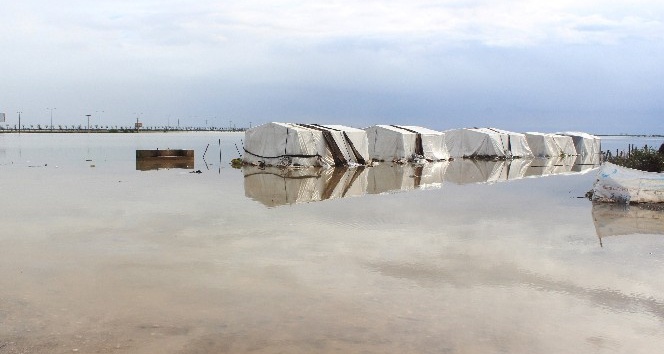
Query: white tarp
[
  {"x": 625, "y": 185},
  {"x": 355, "y": 143},
  {"x": 584, "y": 143},
  {"x": 393, "y": 143},
  {"x": 433, "y": 142},
  {"x": 475, "y": 142},
  {"x": 565, "y": 144},
  {"x": 550, "y": 145},
  {"x": 517, "y": 143},
  {"x": 387, "y": 143},
  {"x": 286, "y": 144}
]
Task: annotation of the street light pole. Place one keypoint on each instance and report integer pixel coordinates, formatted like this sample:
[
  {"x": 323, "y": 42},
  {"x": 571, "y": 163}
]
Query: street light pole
[
  {"x": 19, "y": 122},
  {"x": 100, "y": 114},
  {"x": 51, "y": 109},
  {"x": 88, "y": 115}
]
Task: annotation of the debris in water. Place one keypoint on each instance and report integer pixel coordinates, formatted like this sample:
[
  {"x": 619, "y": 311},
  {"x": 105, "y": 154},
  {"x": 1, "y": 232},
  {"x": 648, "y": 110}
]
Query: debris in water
[{"x": 236, "y": 163}]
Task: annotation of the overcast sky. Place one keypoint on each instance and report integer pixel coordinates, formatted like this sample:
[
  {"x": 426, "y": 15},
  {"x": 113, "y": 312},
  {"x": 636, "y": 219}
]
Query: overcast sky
[{"x": 592, "y": 65}]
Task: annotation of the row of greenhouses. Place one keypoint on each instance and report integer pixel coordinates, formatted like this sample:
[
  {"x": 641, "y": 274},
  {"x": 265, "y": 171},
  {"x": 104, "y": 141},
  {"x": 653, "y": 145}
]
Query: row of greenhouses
[{"x": 295, "y": 144}]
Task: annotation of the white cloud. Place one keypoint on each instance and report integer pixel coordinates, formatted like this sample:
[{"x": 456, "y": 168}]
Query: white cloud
[
  {"x": 162, "y": 23},
  {"x": 122, "y": 49}
]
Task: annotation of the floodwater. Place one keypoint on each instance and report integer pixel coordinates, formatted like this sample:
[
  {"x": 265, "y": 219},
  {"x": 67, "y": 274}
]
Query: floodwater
[{"x": 458, "y": 257}]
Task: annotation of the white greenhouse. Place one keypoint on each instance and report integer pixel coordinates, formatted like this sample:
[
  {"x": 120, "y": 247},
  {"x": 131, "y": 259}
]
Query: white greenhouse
[
  {"x": 584, "y": 143},
  {"x": 405, "y": 143},
  {"x": 290, "y": 144},
  {"x": 550, "y": 145}
]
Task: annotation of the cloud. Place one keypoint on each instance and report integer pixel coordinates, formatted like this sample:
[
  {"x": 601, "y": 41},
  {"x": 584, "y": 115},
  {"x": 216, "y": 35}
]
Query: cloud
[
  {"x": 163, "y": 23},
  {"x": 364, "y": 61}
]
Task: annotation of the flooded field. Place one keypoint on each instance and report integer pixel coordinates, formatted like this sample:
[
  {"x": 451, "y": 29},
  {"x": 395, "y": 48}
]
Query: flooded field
[{"x": 103, "y": 254}]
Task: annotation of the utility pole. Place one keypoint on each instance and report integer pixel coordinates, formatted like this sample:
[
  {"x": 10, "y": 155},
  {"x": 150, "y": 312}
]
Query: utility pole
[
  {"x": 99, "y": 115},
  {"x": 19, "y": 122},
  {"x": 51, "y": 109},
  {"x": 88, "y": 115}
]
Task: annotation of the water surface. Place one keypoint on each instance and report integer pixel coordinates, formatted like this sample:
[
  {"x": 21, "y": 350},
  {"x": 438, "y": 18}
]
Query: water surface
[{"x": 101, "y": 257}]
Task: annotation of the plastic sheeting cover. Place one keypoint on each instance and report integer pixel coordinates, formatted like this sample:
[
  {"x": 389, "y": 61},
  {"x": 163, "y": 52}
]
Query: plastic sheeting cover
[
  {"x": 550, "y": 145},
  {"x": 271, "y": 143},
  {"x": 433, "y": 143},
  {"x": 471, "y": 142},
  {"x": 518, "y": 144},
  {"x": 276, "y": 144},
  {"x": 625, "y": 185},
  {"x": 387, "y": 143},
  {"x": 565, "y": 144},
  {"x": 584, "y": 143},
  {"x": 358, "y": 139}
]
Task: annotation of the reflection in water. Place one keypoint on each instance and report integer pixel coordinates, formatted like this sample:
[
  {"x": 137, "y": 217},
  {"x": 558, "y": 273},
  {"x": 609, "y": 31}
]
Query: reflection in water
[
  {"x": 164, "y": 159},
  {"x": 619, "y": 219},
  {"x": 102, "y": 260},
  {"x": 386, "y": 178},
  {"x": 274, "y": 186},
  {"x": 585, "y": 163},
  {"x": 468, "y": 171},
  {"x": 544, "y": 167},
  {"x": 162, "y": 163},
  {"x": 465, "y": 171}
]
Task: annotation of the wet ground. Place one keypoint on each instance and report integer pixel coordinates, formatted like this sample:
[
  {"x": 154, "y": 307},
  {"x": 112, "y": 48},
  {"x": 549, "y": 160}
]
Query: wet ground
[{"x": 459, "y": 257}]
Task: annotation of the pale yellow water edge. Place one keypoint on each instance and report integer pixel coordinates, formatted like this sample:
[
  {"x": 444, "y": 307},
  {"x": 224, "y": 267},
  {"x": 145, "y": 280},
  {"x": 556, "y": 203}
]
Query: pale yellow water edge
[{"x": 108, "y": 259}]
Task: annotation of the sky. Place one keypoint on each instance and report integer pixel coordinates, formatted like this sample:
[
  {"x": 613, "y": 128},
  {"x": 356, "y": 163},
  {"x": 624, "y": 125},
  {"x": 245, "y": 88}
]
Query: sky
[{"x": 530, "y": 65}]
